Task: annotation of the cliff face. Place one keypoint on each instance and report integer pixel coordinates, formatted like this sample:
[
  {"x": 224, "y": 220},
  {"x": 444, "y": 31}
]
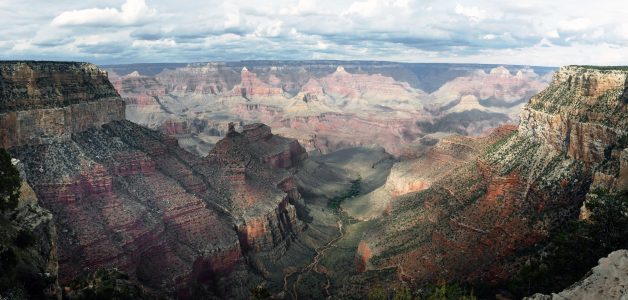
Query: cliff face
[
  {"x": 474, "y": 223},
  {"x": 29, "y": 247},
  {"x": 582, "y": 113},
  {"x": 326, "y": 106},
  {"x": 606, "y": 281},
  {"x": 45, "y": 101},
  {"x": 128, "y": 197}
]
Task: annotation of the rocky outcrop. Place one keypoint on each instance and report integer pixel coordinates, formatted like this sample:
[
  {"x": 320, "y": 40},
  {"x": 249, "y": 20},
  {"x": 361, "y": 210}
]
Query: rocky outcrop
[
  {"x": 46, "y": 101},
  {"x": 474, "y": 223},
  {"x": 362, "y": 256},
  {"x": 28, "y": 247},
  {"x": 37, "y": 85},
  {"x": 128, "y": 197},
  {"x": 606, "y": 281},
  {"x": 250, "y": 86},
  {"x": 582, "y": 113},
  {"x": 326, "y": 106},
  {"x": 277, "y": 151},
  {"x": 497, "y": 88}
]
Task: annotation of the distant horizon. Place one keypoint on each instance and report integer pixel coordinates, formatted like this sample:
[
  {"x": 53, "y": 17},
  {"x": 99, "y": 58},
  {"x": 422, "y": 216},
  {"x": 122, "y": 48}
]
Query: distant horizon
[{"x": 297, "y": 60}]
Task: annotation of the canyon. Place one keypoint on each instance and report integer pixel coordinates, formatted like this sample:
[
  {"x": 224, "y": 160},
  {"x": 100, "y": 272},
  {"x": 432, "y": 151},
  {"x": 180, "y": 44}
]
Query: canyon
[
  {"x": 491, "y": 199},
  {"x": 325, "y": 105},
  {"x": 304, "y": 179},
  {"x": 128, "y": 197}
]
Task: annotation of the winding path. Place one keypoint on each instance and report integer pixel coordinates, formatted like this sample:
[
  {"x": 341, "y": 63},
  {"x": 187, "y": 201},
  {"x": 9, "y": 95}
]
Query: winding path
[{"x": 313, "y": 266}]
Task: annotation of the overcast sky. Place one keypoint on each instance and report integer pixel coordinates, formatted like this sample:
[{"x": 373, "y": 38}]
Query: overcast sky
[{"x": 534, "y": 32}]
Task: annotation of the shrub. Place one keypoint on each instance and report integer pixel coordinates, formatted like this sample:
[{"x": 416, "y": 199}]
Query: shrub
[
  {"x": 24, "y": 239},
  {"x": 9, "y": 182},
  {"x": 377, "y": 293},
  {"x": 576, "y": 247}
]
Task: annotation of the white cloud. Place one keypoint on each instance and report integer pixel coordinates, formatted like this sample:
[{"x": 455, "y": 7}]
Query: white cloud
[
  {"x": 132, "y": 12},
  {"x": 552, "y": 34},
  {"x": 369, "y": 8},
  {"x": 302, "y": 7},
  {"x": 268, "y": 29},
  {"x": 155, "y": 43},
  {"x": 578, "y": 24},
  {"x": 231, "y": 15},
  {"x": 363, "y": 8},
  {"x": 473, "y": 13},
  {"x": 502, "y": 31},
  {"x": 489, "y": 37}
]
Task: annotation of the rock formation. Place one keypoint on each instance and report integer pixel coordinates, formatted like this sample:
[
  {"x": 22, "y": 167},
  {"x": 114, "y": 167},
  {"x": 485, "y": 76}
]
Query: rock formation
[
  {"x": 326, "y": 106},
  {"x": 510, "y": 191},
  {"x": 607, "y": 280},
  {"x": 128, "y": 197},
  {"x": 28, "y": 247},
  {"x": 37, "y": 106}
]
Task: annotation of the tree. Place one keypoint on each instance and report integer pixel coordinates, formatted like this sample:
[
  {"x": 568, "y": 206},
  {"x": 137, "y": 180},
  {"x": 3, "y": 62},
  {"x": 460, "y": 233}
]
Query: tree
[{"x": 9, "y": 182}]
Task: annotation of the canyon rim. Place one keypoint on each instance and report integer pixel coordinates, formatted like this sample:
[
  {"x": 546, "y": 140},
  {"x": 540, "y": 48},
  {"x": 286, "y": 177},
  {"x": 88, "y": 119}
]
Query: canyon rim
[{"x": 313, "y": 150}]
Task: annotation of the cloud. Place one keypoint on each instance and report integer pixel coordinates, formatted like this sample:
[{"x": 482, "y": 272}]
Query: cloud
[
  {"x": 575, "y": 25},
  {"x": 107, "y": 31},
  {"x": 132, "y": 12},
  {"x": 473, "y": 13}
]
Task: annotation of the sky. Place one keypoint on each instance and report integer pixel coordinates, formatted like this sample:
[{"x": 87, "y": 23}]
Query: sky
[{"x": 528, "y": 32}]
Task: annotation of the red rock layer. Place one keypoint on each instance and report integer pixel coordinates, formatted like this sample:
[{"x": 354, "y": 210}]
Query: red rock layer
[
  {"x": 250, "y": 86},
  {"x": 137, "y": 202}
]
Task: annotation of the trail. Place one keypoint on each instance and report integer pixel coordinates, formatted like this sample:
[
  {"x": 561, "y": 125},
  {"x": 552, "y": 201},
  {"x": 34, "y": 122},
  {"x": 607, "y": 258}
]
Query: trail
[{"x": 313, "y": 266}]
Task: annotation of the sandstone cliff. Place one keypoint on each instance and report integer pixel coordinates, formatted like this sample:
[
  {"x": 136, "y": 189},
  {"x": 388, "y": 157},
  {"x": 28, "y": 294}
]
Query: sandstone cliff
[
  {"x": 475, "y": 224},
  {"x": 326, "y": 106},
  {"x": 46, "y": 101},
  {"x": 607, "y": 280},
  {"x": 128, "y": 197}
]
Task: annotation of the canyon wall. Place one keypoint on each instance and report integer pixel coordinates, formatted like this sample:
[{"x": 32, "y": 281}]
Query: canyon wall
[
  {"x": 326, "y": 106},
  {"x": 45, "y": 101},
  {"x": 128, "y": 197},
  {"x": 476, "y": 222},
  {"x": 29, "y": 243}
]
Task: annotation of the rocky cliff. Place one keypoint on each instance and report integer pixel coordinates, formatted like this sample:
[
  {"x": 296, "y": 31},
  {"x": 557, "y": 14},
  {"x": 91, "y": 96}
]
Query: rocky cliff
[
  {"x": 28, "y": 244},
  {"x": 128, "y": 197},
  {"x": 607, "y": 280},
  {"x": 46, "y": 101},
  {"x": 326, "y": 105},
  {"x": 478, "y": 223}
]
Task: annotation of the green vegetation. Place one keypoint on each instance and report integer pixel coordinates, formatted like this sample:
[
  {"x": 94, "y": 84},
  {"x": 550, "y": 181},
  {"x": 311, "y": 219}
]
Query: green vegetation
[
  {"x": 9, "y": 182},
  {"x": 377, "y": 293},
  {"x": 445, "y": 291},
  {"x": 497, "y": 145},
  {"x": 576, "y": 247},
  {"x": 106, "y": 284},
  {"x": 260, "y": 293},
  {"x": 354, "y": 190},
  {"x": 605, "y": 68}
]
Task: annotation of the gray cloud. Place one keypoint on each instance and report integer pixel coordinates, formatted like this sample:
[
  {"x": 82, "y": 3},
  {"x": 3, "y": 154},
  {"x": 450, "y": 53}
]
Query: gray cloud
[{"x": 509, "y": 31}]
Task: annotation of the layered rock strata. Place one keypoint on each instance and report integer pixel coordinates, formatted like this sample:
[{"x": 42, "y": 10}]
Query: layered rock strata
[
  {"x": 473, "y": 224},
  {"x": 326, "y": 105},
  {"x": 46, "y": 101},
  {"x": 128, "y": 197}
]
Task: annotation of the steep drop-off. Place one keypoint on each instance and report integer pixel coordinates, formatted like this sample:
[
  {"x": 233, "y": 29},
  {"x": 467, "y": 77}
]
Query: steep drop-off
[
  {"x": 128, "y": 197},
  {"x": 479, "y": 222}
]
